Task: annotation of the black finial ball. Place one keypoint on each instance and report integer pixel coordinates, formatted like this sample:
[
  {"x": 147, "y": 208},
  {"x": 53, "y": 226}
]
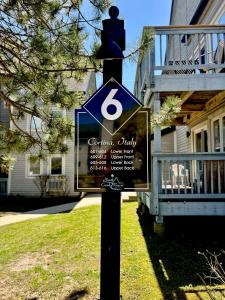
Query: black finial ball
[{"x": 114, "y": 12}]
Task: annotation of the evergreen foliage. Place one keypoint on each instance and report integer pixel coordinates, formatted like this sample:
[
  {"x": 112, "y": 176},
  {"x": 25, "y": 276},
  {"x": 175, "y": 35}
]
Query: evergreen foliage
[{"x": 42, "y": 44}]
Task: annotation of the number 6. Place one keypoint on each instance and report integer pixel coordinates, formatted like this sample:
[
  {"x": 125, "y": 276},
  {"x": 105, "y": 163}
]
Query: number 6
[{"x": 110, "y": 101}]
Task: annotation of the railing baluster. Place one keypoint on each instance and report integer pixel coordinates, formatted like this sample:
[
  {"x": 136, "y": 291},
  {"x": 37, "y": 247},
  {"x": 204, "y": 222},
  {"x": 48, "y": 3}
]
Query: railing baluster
[
  {"x": 204, "y": 174},
  {"x": 160, "y": 176},
  {"x": 218, "y": 49},
  {"x": 199, "y": 49},
  {"x": 211, "y": 176},
  {"x": 167, "y": 47},
  {"x": 191, "y": 177},
  {"x": 206, "y": 48},
  {"x": 185, "y": 177},
  {"x": 224, "y": 47},
  {"x": 186, "y": 48},
  {"x": 198, "y": 176},
  {"x": 180, "y": 53},
  {"x": 160, "y": 45},
  {"x": 178, "y": 177},
  {"x": 193, "y": 49},
  {"x": 218, "y": 174},
  {"x": 165, "y": 176},
  {"x": 173, "y": 41},
  {"x": 171, "y": 177},
  {"x": 211, "y": 42}
]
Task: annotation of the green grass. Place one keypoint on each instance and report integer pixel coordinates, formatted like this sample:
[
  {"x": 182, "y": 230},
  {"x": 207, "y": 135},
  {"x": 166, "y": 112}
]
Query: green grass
[{"x": 57, "y": 257}]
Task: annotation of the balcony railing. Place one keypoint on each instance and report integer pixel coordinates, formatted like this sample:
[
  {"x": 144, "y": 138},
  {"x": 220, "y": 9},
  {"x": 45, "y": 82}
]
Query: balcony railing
[
  {"x": 56, "y": 185},
  {"x": 180, "y": 50},
  {"x": 3, "y": 186},
  {"x": 189, "y": 176}
]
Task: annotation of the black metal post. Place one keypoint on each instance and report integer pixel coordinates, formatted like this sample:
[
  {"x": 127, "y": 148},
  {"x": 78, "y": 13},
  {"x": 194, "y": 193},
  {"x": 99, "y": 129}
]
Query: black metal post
[
  {"x": 110, "y": 218},
  {"x": 113, "y": 43},
  {"x": 110, "y": 246}
]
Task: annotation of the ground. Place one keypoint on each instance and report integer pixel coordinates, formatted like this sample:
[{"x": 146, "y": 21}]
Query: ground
[
  {"x": 15, "y": 204},
  {"x": 57, "y": 257}
]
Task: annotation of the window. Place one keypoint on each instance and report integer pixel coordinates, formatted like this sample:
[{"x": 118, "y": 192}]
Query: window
[
  {"x": 56, "y": 165},
  {"x": 36, "y": 123},
  {"x": 34, "y": 166},
  {"x": 216, "y": 131}
]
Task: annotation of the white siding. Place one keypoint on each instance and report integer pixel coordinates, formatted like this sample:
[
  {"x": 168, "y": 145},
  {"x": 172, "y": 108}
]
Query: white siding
[
  {"x": 167, "y": 144},
  {"x": 183, "y": 142},
  {"x": 183, "y": 11},
  {"x": 22, "y": 185}
]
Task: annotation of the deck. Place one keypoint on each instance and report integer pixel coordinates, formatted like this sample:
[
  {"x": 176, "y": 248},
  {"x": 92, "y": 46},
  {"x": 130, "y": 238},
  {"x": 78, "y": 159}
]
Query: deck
[
  {"x": 187, "y": 184},
  {"x": 188, "y": 62}
]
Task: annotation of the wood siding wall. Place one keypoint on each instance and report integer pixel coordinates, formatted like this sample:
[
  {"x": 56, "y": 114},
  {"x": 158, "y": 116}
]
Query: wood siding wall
[
  {"x": 20, "y": 184},
  {"x": 183, "y": 142}
]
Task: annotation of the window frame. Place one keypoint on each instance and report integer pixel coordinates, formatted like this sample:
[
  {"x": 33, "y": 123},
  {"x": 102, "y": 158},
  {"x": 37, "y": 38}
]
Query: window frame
[
  {"x": 220, "y": 118},
  {"x": 29, "y": 124},
  {"x": 50, "y": 164},
  {"x": 28, "y": 164}
]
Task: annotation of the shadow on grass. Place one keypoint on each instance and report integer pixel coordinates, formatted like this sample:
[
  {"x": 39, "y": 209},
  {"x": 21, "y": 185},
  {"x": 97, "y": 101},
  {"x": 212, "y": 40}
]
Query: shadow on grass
[
  {"x": 18, "y": 204},
  {"x": 77, "y": 294},
  {"x": 175, "y": 257}
]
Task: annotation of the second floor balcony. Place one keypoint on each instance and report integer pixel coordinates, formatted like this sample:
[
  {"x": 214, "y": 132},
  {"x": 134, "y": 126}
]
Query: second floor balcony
[{"x": 178, "y": 55}]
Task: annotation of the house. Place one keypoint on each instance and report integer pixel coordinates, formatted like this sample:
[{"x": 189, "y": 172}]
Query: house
[
  {"x": 4, "y": 119},
  {"x": 58, "y": 169},
  {"x": 187, "y": 60}
]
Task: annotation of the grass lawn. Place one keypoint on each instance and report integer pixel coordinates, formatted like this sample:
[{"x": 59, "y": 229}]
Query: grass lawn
[{"x": 57, "y": 257}]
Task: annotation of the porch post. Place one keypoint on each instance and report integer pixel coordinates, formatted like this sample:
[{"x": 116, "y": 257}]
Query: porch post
[
  {"x": 155, "y": 164},
  {"x": 157, "y": 129},
  {"x": 156, "y": 176}
]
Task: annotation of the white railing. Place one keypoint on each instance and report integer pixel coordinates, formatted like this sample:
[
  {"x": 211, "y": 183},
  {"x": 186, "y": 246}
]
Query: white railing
[
  {"x": 56, "y": 185},
  {"x": 189, "y": 176},
  {"x": 3, "y": 186},
  {"x": 179, "y": 50}
]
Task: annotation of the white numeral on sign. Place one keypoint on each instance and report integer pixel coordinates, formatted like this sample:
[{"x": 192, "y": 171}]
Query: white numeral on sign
[{"x": 110, "y": 101}]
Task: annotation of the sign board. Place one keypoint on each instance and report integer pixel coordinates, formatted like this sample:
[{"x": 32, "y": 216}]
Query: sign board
[{"x": 112, "y": 142}]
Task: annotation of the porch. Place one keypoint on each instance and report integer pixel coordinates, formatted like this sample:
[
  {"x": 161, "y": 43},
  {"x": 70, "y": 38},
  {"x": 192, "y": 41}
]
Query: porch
[
  {"x": 188, "y": 62},
  {"x": 187, "y": 184},
  {"x": 184, "y": 53}
]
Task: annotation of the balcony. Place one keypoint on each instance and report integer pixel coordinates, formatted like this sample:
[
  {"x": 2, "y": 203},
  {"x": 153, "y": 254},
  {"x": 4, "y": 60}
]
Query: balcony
[
  {"x": 56, "y": 185},
  {"x": 187, "y": 184},
  {"x": 177, "y": 57}
]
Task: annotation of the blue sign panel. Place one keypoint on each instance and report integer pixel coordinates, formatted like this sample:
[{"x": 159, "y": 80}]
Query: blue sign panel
[
  {"x": 112, "y": 147},
  {"x": 114, "y": 103}
]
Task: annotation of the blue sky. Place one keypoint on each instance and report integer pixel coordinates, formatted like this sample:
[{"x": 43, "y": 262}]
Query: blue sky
[{"x": 137, "y": 14}]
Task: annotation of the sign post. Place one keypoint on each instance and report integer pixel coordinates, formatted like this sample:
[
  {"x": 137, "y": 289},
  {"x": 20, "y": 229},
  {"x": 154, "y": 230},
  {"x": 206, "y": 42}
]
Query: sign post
[{"x": 112, "y": 152}]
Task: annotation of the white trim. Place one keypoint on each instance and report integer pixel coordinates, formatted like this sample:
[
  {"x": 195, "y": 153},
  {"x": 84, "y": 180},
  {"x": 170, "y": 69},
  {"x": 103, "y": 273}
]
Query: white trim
[
  {"x": 197, "y": 129},
  {"x": 220, "y": 118},
  {"x": 27, "y": 167},
  {"x": 29, "y": 122}
]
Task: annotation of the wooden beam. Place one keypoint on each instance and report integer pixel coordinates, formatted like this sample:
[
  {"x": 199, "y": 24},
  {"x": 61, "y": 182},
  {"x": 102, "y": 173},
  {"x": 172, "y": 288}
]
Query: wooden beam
[
  {"x": 177, "y": 122},
  {"x": 192, "y": 108},
  {"x": 216, "y": 100},
  {"x": 185, "y": 96}
]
